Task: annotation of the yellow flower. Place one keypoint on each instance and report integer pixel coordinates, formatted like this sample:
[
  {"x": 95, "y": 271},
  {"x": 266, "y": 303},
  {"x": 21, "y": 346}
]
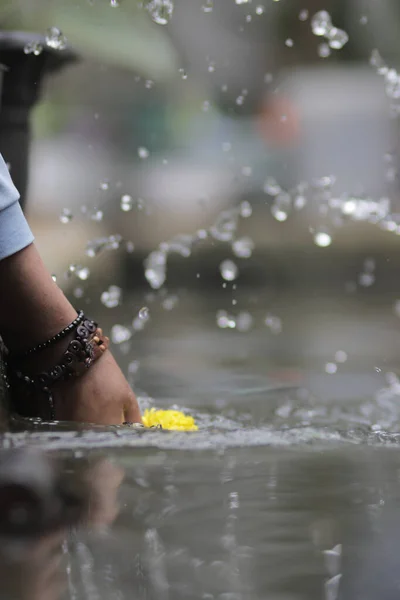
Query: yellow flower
[{"x": 173, "y": 420}]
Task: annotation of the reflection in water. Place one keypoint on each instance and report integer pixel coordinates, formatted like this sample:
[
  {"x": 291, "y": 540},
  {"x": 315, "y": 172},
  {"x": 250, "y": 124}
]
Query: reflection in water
[
  {"x": 293, "y": 523},
  {"x": 282, "y": 494},
  {"x": 42, "y": 504}
]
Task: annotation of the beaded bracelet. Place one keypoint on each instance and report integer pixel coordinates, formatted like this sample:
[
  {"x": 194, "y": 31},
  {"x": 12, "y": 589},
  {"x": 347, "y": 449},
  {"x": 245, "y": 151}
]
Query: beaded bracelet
[
  {"x": 53, "y": 340},
  {"x": 89, "y": 344}
]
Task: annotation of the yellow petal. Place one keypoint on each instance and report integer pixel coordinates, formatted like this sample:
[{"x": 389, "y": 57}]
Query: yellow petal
[{"x": 172, "y": 420}]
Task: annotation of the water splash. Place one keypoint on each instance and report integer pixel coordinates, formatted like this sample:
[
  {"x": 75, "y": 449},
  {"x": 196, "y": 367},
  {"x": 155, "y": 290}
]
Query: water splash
[
  {"x": 55, "y": 39},
  {"x": 322, "y": 26},
  {"x": 111, "y": 297},
  {"x": 82, "y": 273},
  {"x": 96, "y": 246},
  {"x": 159, "y": 10},
  {"x": 33, "y": 48},
  {"x": 120, "y": 334}
]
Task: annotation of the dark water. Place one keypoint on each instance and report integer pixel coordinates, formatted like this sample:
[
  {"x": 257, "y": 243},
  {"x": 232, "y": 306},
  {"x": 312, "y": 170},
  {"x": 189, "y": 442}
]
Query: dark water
[{"x": 291, "y": 488}]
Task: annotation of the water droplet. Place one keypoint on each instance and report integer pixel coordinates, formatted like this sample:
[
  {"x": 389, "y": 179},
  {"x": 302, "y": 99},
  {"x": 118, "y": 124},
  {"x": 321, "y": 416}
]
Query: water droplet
[
  {"x": 369, "y": 265},
  {"x": 170, "y": 302},
  {"x": 201, "y": 234},
  {"x": 242, "y": 1},
  {"x": 180, "y": 244},
  {"x": 248, "y": 18},
  {"x": 82, "y": 273},
  {"x": 130, "y": 247},
  {"x": 244, "y": 321},
  {"x": 324, "y": 50},
  {"x": 211, "y": 66},
  {"x": 143, "y": 152},
  {"x": 33, "y": 48},
  {"x": 240, "y": 100},
  {"x": 111, "y": 297},
  {"x": 271, "y": 186},
  {"x": 66, "y": 216},
  {"x": 229, "y": 270},
  {"x": 133, "y": 367},
  {"x": 205, "y": 106},
  {"x": 225, "y": 320},
  {"x": 274, "y": 323},
  {"x": 148, "y": 84},
  {"x": 340, "y": 356},
  {"x": 322, "y": 239},
  {"x": 155, "y": 269},
  {"x": 289, "y": 43},
  {"x": 96, "y": 215},
  {"x": 114, "y": 3},
  {"x": 55, "y": 39},
  {"x": 363, "y": 20},
  {"x": 245, "y": 209},
  {"x": 144, "y": 313},
  {"x": 279, "y": 214},
  {"x": 331, "y": 368},
  {"x": 183, "y": 73},
  {"x": 104, "y": 185},
  {"x": 243, "y": 247},
  {"x": 54, "y": 278},
  {"x": 337, "y": 38},
  {"x": 378, "y": 369},
  {"x": 120, "y": 334},
  {"x": 299, "y": 202},
  {"x": 260, "y": 10},
  {"x": 366, "y": 279},
  {"x": 325, "y": 182},
  {"x": 281, "y": 207},
  {"x": 208, "y": 6},
  {"x": 303, "y": 15},
  {"x": 160, "y": 10},
  {"x": 78, "y": 292},
  {"x": 126, "y": 203},
  {"x": 321, "y": 23},
  {"x": 225, "y": 226}
]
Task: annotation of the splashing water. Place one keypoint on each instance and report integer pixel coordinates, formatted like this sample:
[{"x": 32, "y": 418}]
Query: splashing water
[
  {"x": 82, "y": 273},
  {"x": 111, "y": 297},
  {"x": 160, "y": 10},
  {"x": 155, "y": 269},
  {"x": 321, "y": 25},
  {"x": 55, "y": 39},
  {"x": 120, "y": 334},
  {"x": 33, "y": 48}
]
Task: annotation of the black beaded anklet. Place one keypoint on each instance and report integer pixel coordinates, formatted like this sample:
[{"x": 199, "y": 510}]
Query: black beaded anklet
[{"x": 53, "y": 340}]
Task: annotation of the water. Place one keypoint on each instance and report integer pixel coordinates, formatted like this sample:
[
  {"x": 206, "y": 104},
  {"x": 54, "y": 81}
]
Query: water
[{"x": 290, "y": 490}]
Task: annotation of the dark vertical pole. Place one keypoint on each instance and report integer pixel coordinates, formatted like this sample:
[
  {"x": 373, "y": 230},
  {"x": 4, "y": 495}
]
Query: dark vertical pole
[{"x": 21, "y": 78}]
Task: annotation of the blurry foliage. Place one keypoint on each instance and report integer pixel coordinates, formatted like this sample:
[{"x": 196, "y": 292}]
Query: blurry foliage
[{"x": 124, "y": 36}]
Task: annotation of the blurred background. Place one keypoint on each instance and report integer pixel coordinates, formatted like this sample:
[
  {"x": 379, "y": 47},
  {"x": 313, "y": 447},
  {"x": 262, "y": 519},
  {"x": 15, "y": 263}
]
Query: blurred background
[
  {"x": 215, "y": 181},
  {"x": 228, "y": 167}
]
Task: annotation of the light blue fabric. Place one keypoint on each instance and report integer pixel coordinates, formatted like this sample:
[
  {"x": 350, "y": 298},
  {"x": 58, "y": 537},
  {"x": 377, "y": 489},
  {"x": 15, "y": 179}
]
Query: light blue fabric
[{"x": 15, "y": 233}]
